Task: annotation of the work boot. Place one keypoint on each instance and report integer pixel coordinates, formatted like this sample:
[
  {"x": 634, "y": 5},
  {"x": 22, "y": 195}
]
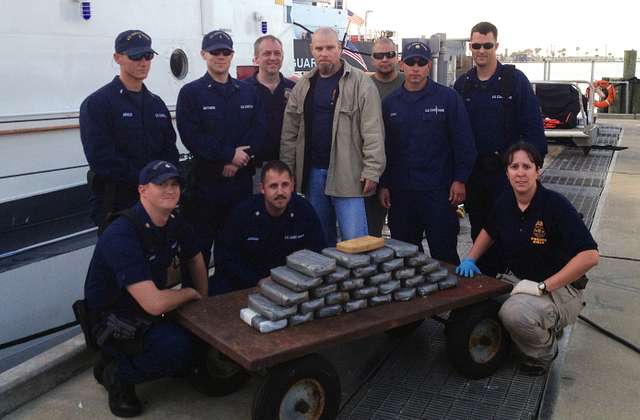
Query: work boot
[{"x": 123, "y": 401}]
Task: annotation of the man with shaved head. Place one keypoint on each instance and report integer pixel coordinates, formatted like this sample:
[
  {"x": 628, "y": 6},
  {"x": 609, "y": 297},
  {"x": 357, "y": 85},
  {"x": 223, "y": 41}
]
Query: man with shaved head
[
  {"x": 333, "y": 138},
  {"x": 387, "y": 78}
]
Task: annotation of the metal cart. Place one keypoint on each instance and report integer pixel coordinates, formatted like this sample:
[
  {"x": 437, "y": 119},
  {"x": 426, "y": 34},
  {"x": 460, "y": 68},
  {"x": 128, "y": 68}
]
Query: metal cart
[{"x": 298, "y": 383}]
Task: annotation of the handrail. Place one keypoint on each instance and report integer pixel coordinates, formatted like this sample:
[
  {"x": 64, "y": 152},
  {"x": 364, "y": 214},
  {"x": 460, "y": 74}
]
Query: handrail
[{"x": 45, "y": 243}]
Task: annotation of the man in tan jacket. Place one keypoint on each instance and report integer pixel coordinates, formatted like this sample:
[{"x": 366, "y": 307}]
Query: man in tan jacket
[{"x": 333, "y": 138}]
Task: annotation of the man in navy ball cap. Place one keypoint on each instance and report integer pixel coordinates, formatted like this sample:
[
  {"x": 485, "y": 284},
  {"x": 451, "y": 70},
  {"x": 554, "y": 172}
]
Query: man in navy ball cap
[
  {"x": 127, "y": 291},
  {"x": 222, "y": 123},
  {"x": 430, "y": 154},
  {"x": 123, "y": 126}
]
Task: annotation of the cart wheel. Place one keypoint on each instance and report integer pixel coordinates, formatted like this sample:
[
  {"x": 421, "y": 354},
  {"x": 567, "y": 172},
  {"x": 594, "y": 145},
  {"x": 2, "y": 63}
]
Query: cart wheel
[
  {"x": 404, "y": 330},
  {"x": 218, "y": 375},
  {"x": 303, "y": 389},
  {"x": 477, "y": 343}
]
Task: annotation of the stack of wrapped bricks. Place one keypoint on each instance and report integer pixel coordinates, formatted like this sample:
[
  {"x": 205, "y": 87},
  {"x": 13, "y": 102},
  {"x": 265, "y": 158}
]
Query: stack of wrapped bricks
[{"x": 313, "y": 285}]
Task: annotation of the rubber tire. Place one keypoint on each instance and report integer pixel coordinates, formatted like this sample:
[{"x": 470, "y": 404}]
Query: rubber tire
[
  {"x": 266, "y": 403},
  {"x": 210, "y": 381},
  {"x": 461, "y": 324},
  {"x": 404, "y": 330}
]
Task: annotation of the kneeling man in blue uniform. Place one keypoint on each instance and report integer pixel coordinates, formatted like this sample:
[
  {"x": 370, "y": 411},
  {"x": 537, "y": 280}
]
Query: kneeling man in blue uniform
[
  {"x": 126, "y": 291},
  {"x": 430, "y": 154},
  {"x": 261, "y": 231}
]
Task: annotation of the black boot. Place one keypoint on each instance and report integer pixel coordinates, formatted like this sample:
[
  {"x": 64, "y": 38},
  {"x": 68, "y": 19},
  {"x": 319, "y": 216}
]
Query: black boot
[{"x": 123, "y": 401}]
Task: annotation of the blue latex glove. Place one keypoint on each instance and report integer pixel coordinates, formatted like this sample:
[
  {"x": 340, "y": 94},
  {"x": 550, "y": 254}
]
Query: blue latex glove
[{"x": 468, "y": 268}]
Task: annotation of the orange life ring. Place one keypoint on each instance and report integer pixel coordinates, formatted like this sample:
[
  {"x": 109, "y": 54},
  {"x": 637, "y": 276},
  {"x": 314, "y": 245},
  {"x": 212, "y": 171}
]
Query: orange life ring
[{"x": 603, "y": 86}]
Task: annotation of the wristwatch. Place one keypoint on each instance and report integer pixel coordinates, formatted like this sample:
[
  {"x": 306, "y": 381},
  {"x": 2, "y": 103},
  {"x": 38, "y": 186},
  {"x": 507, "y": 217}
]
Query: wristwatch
[{"x": 542, "y": 287}]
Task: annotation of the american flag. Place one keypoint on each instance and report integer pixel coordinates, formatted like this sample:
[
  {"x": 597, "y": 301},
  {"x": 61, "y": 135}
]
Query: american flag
[
  {"x": 355, "y": 19},
  {"x": 355, "y": 55}
]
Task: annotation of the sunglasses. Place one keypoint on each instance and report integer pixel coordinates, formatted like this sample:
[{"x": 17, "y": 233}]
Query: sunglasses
[
  {"x": 223, "y": 51},
  {"x": 381, "y": 55},
  {"x": 420, "y": 61},
  {"x": 137, "y": 57},
  {"x": 486, "y": 45}
]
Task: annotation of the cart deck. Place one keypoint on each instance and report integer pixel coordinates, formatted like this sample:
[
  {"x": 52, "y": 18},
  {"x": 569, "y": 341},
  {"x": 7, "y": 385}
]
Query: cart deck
[{"x": 217, "y": 321}]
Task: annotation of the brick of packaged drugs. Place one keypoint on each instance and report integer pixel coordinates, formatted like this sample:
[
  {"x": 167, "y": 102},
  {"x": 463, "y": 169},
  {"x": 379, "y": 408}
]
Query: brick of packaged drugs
[
  {"x": 431, "y": 266},
  {"x": 322, "y": 291},
  {"x": 280, "y": 294},
  {"x": 427, "y": 289},
  {"x": 328, "y": 311},
  {"x": 449, "y": 282},
  {"x": 261, "y": 323},
  {"x": 437, "y": 276},
  {"x": 347, "y": 260},
  {"x": 404, "y": 273},
  {"x": 366, "y": 271},
  {"x": 417, "y": 260},
  {"x": 380, "y": 300},
  {"x": 298, "y": 319},
  {"x": 311, "y": 263},
  {"x": 388, "y": 287},
  {"x": 365, "y": 292},
  {"x": 339, "y": 275},
  {"x": 355, "y": 305},
  {"x": 361, "y": 244},
  {"x": 336, "y": 298},
  {"x": 381, "y": 255},
  {"x": 351, "y": 284},
  {"x": 293, "y": 279},
  {"x": 391, "y": 265},
  {"x": 268, "y": 309},
  {"x": 402, "y": 249},
  {"x": 413, "y": 281},
  {"x": 404, "y": 294},
  {"x": 379, "y": 278},
  {"x": 311, "y": 306}
]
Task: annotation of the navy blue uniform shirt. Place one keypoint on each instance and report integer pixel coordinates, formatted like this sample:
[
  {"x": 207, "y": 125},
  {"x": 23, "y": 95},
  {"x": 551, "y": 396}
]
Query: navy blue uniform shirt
[
  {"x": 214, "y": 118},
  {"x": 120, "y": 260},
  {"x": 122, "y": 131},
  {"x": 273, "y": 105},
  {"x": 538, "y": 242},
  {"x": 428, "y": 139},
  {"x": 324, "y": 98},
  {"x": 487, "y": 112},
  {"x": 253, "y": 242}
]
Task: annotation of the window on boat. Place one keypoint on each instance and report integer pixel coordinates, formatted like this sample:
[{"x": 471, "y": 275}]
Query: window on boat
[{"x": 179, "y": 64}]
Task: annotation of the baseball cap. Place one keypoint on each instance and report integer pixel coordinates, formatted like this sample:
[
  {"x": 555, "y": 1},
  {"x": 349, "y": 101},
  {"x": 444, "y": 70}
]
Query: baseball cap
[
  {"x": 217, "y": 40},
  {"x": 416, "y": 49},
  {"x": 158, "y": 171},
  {"x": 133, "y": 42}
]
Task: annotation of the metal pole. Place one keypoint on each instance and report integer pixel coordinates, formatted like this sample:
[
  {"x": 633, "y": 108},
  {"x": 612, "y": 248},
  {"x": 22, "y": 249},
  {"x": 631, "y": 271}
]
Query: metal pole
[
  {"x": 434, "y": 69},
  {"x": 593, "y": 69}
]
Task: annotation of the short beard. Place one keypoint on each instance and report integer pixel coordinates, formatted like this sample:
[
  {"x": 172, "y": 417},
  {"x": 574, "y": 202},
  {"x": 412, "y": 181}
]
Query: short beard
[{"x": 326, "y": 69}]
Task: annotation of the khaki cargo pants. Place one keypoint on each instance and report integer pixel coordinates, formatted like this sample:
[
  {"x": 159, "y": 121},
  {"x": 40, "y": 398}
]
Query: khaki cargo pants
[{"x": 532, "y": 321}]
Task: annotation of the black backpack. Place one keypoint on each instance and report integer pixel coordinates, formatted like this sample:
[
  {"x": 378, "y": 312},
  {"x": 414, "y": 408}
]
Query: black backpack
[{"x": 559, "y": 102}]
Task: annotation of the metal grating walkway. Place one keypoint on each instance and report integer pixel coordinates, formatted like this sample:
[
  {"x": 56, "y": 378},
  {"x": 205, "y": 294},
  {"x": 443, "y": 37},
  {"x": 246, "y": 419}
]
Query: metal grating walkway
[{"x": 417, "y": 382}]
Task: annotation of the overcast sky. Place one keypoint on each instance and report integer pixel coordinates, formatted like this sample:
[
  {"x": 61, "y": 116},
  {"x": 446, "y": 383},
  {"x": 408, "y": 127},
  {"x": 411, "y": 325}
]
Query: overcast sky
[{"x": 611, "y": 25}]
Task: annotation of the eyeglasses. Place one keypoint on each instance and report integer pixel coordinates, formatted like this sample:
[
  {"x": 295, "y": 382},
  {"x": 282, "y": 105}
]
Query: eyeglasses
[
  {"x": 420, "y": 61},
  {"x": 381, "y": 55},
  {"x": 137, "y": 57},
  {"x": 486, "y": 45},
  {"x": 223, "y": 51}
]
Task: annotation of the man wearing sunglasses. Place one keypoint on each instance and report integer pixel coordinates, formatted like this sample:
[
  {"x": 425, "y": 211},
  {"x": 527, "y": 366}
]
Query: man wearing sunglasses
[
  {"x": 123, "y": 126},
  {"x": 332, "y": 138},
  {"x": 430, "y": 154},
  {"x": 387, "y": 78},
  {"x": 221, "y": 122},
  {"x": 503, "y": 110}
]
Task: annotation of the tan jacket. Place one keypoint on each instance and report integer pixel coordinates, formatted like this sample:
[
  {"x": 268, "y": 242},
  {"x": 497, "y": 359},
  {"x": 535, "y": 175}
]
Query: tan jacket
[{"x": 357, "y": 142}]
